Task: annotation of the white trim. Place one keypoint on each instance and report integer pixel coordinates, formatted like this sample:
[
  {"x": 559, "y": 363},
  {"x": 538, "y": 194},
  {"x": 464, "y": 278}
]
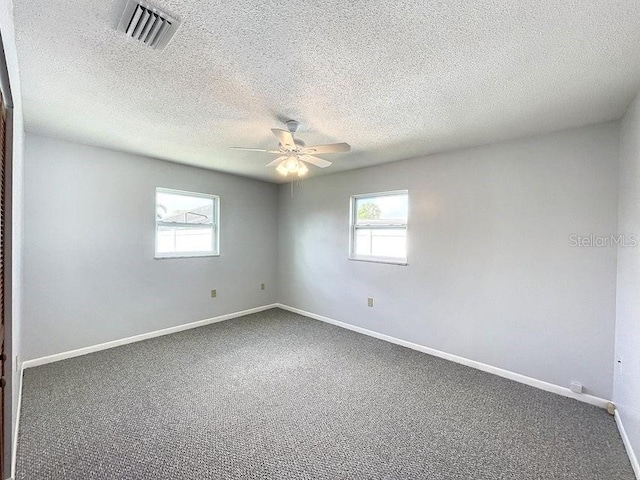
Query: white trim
[
  {"x": 14, "y": 445},
  {"x": 533, "y": 382},
  {"x": 186, "y": 255},
  {"x": 385, "y": 260},
  {"x": 143, "y": 336},
  {"x": 627, "y": 445}
]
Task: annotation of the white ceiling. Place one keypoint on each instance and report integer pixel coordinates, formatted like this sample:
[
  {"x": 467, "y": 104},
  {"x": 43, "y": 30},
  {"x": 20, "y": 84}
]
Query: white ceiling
[{"x": 395, "y": 79}]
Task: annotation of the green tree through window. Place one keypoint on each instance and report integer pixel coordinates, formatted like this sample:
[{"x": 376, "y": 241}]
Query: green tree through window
[{"x": 369, "y": 211}]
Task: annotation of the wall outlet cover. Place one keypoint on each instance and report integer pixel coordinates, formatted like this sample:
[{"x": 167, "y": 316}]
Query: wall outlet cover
[
  {"x": 576, "y": 387},
  {"x": 214, "y": 293}
]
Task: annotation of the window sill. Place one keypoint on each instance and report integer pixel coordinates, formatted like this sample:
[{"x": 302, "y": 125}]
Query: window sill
[
  {"x": 192, "y": 255},
  {"x": 390, "y": 261}
]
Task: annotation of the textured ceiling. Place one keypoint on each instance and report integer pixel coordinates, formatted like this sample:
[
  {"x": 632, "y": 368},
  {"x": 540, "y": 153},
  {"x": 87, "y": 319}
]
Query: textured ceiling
[{"x": 394, "y": 79}]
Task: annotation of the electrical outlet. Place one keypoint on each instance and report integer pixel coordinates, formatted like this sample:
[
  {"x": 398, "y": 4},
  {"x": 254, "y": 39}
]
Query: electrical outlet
[
  {"x": 370, "y": 301},
  {"x": 262, "y": 286},
  {"x": 214, "y": 293}
]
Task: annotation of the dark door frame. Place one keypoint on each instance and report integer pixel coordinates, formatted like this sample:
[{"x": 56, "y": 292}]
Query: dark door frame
[{"x": 5, "y": 88}]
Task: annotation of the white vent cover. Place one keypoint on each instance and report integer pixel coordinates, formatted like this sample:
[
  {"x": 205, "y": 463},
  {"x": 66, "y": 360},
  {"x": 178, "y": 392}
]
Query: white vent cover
[{"x": 147, "y": 24}]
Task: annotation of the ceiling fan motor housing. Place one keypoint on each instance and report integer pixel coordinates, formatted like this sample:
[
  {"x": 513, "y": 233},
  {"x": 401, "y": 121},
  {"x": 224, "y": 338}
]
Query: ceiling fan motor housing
[{"x": 292, "y": 125}]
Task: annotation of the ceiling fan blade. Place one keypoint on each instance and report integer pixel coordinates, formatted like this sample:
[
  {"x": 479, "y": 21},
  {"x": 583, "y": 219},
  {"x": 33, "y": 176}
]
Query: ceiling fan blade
[
  {"x": 330, "y": 148},
  {"x": 276, "y": 161},
  {"x": 284, "y": 137},
  {"x": 249, "y": 149},
  {"x": 318, "y": 162},
  {"x": 256, "y": 150}
]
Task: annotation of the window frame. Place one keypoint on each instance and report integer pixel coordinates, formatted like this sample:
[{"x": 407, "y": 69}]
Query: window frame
[
  {"x": 215, "y": 225},
  {"x": 353, "y": 227}
]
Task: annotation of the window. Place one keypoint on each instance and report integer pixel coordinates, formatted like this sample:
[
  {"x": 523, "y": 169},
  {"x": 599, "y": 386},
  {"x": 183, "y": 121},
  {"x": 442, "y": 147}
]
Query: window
[
  {"x": 186, "y": 224},
  {"x": 379, "y": 227}
]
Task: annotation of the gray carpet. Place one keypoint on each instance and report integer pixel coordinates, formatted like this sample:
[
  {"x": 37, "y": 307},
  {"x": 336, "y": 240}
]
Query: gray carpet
[{"x": 277, "y": 395}]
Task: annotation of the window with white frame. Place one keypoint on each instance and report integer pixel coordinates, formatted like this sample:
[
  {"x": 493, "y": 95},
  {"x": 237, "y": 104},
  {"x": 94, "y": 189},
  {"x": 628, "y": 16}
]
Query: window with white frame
[
  {"x": 187, "y": 224},
  {"x": 379, "y": 227}
]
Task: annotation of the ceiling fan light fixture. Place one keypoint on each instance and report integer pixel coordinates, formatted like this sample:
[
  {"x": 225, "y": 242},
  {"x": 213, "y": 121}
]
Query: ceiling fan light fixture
[
  {"x": 282, "y": 168},
  {"x": 302, "y": 169},
  {"x": 292, "y": 164},
  {"x": 295, "y": 156}
]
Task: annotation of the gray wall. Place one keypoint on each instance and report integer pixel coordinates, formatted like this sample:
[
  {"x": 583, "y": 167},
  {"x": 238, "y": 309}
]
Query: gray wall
[
  {"x": 491, "y": 276},
  {"x": 626, "y": 390},
  {"x": 89, "y": 271}
]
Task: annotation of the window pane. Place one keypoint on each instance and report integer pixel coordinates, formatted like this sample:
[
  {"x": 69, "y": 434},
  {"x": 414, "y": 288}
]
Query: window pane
[
  {"x": 173, "y": 207},
  {"x": 381, "y": 242},
  {"x": 186, "y": 223},
  {"x": 184, "y": 239},
  {"x": 382, "y": 209}
]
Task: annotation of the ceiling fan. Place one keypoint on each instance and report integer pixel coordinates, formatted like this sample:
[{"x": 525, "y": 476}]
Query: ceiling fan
[{"x": 294, "y": 154}]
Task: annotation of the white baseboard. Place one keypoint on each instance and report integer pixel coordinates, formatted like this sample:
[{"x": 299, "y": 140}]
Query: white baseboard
[
  {"x": 533, "y": 382},
  {"x": 138, "y": 338},
  {"x": 627, "y": 445},
  {"x": 14, "y": 446}
]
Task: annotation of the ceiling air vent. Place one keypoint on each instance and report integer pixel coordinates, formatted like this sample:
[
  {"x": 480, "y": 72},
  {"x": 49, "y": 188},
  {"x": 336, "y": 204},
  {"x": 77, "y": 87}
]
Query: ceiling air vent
[{"x": 147, "y": 24}]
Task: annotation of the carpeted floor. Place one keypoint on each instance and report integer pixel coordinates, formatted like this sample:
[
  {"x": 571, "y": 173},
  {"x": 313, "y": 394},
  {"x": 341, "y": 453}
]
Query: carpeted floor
[{"x": 278, "y": 396}]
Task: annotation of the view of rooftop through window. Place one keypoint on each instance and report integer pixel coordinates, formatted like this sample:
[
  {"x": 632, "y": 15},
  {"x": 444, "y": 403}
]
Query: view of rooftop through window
[{"x": 185, "y": 224}]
